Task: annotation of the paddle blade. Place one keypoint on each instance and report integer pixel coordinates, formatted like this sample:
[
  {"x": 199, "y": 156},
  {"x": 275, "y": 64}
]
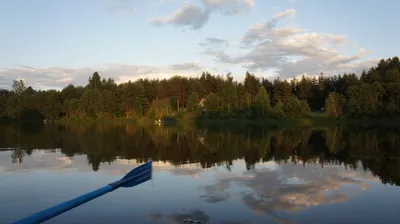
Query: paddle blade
[
  {"x": 145, "y": 176},
  {"x": 136, "y": 176},
  {"x": 139, "y": 170}
]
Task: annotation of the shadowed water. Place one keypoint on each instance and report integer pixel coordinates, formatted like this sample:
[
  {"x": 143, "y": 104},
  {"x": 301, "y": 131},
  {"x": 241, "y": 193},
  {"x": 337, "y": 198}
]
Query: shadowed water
[{"x": 253, "y": 175}]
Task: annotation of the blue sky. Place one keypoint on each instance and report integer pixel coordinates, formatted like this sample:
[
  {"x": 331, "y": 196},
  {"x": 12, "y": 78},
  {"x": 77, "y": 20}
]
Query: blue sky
[{"x": 50, "y": 44}]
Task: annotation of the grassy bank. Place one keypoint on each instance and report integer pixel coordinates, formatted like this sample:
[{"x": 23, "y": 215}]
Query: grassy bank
[
  {"x": 308, "y": 121},
  {"x": 315, "y": 120},
  {"x": 21, "y": 121},
  {"x": 114, "y": 121}
]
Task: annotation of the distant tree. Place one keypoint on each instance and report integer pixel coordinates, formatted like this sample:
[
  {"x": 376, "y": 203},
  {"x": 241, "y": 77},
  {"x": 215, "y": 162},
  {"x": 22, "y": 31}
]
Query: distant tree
[
  {"x": 373, "y": 93},
  {"x": 282, "y": 91},
  {"x": 95, "y": 81},
  {"x": 245, "y": 101},
  {"x": 211, "y": 103},
  {"x": 262, "y": 102},
  {"x": 296, "y": 108},
  {"x": 193, "y": 102},
  {"x": 174, "y": 103},
  {"x": 110, "y": 103},
  {"x": 229, "y": 94},
  {"x": 251, "y": 84},
  {"x": 19, "y": 88},
  {"x": 334, "y": 104},
  {"x": 69, "y": 92},
  {"x": 91, "y": 105}
]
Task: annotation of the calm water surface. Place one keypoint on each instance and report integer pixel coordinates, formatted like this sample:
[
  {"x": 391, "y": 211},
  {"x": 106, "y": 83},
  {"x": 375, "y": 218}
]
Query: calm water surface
[{"x": 291, "y": 175}]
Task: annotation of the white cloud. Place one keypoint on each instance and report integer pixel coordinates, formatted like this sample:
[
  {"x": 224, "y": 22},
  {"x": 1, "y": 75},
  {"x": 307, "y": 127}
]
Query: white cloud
[
  {"x": 59, "y": 77},
  {"x": 187, "y": 66},
  {"x": 229, "y": 7},
  {"x": 214, "y": 42},
  {"x": 265, "y": 46},
  {"x": 287, "y": 13},
  {"x": 196, "y": 17},
  {"x": 188, "y": 16}
]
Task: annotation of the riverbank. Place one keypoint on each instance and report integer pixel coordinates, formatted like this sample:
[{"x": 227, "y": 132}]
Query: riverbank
[
  {"x": 318, "y": 120},
  {"x": 313, "y": 120}
]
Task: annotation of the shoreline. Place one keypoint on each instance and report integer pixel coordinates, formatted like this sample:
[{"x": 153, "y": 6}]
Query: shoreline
[{"x": 315, "y": 120}]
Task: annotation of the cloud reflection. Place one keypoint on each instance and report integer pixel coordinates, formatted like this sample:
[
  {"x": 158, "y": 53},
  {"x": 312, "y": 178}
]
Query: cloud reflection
[
  {"x": 286, "y": 188},
  {"x": 54, "y": 160}
]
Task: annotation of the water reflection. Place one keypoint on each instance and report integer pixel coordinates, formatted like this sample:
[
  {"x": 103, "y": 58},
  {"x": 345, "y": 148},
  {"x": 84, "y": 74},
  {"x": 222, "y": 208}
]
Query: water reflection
[
  {"x": 217, "y": 186},
  {"x": 374, "y": 150}
]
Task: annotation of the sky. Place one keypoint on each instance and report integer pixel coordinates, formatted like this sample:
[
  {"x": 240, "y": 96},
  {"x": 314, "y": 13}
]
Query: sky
[{"x": 50, "y": 44}]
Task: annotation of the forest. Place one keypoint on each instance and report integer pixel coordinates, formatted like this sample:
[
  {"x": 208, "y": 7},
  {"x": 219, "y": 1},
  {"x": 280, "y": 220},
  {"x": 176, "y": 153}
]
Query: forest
[{"x": 373, "y": 93}]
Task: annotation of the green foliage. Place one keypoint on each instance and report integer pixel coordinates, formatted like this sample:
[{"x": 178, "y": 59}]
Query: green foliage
[
  {"x": 296, "y": 108},
  {"x": 145, "y": 105},
  {"x": 4, "y": 95},
  {"x": 193, "y": 102},
  {"x": 282, "y": 91},
  {"x": 211, "y": 104},
  {"x": 335, "y": 104},
  {"x": 365, "y": 100},
  {"x": 174, "y": 103},
  {"x": 138, "y": 107},
  {"x": 50, "y": 106},
  {"x": 376, "y": 93},
  {"x": 160, "y": 108},
  {"x": 110, "y": 104},
  {"x": 95, "y": 81},
  {"x": 275, "y": 112},
  {"x": 391, "y": 108},
  {"x": 262, "y": 103},
  {"x": 229, "y": 95},
  {"x": 91, "y": 104},
  {"x": 251, "y": 85},
  {"x": 13, "y": 106}
]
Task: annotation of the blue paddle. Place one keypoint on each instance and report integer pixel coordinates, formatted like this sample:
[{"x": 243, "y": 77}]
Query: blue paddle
[{"x": 136, "y": 176}]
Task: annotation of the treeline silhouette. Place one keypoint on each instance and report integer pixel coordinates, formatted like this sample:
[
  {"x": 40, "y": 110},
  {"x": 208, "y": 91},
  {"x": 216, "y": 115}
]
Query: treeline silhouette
[
  {"x": 377, "y": 150},
  {"x": 373, "y": 93}
]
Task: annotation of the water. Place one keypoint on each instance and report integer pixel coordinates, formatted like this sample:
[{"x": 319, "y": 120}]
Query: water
[{"x": 290, "y": 175}]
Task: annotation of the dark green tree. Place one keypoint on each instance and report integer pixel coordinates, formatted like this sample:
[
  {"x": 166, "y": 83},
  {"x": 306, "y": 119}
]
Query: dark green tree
[{"x": 193, "y": 102}]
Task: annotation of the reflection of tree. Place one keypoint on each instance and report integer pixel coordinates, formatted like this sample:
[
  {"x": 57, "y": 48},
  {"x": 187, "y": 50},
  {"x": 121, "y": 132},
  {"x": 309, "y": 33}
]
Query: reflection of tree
[
  {"x": 18, "y": 155},
  {"x": 378, "y": 150},
  {"x": 334, "y": 140}
]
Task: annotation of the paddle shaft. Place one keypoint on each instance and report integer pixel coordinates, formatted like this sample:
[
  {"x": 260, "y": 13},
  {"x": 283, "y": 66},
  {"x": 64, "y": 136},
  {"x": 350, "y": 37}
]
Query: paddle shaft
[
  {"x": 65, "y": 206},
  {"x": 68, "y": 205},
  {"x": 136, "y": 176}
]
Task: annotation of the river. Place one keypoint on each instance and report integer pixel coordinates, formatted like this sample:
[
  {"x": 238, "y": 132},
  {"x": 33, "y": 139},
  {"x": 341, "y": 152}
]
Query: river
[{"x": 212, "y": 175}]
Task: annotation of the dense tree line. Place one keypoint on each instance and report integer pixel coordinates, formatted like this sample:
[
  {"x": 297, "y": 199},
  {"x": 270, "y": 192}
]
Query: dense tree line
[
  {"x": 373, "y": 93},
  {"x": 372, "y": 149}
]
